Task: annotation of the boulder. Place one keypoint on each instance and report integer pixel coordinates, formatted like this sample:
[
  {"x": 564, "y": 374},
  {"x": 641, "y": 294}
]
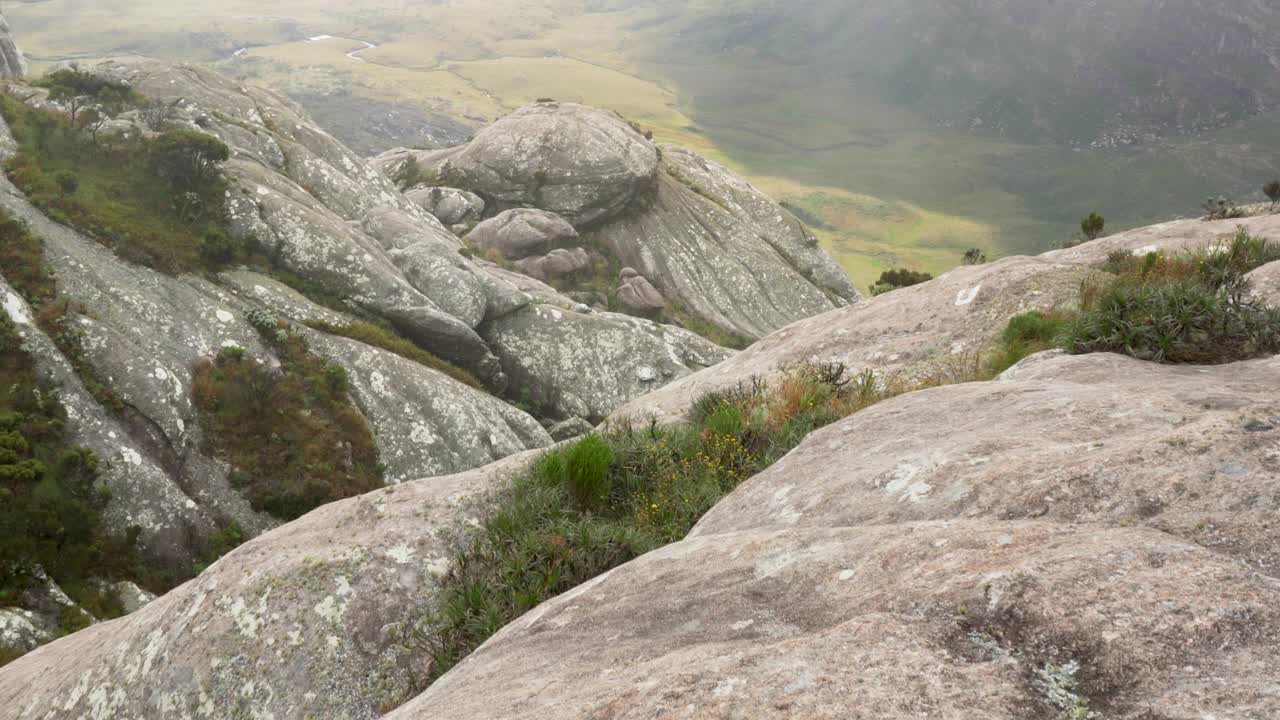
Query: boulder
[
  {"x": 572, "y": 364},
  {"x": 1171, "y": 237},
  {"x": 450, "y": 206},
  {"x": 1088, "y": 536},
  {"x": 12, "y": 62},
  {"x": 639, "y": 294},
  {"x": 313, "y": 619},
  {"x": 1266, "y": 283},
  {"x": 570, "y": 429},
  {"x": 770, "y": 271},
  {"x": 927, "y": 330},
  {"x": 556, "y": 264},
  {"x": 522, "y": 232},
  {"x": 581, "y": 163}
]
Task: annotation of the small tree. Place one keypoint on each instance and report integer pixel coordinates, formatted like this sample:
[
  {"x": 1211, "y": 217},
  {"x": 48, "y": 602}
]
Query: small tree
[
  {"x": 1092, "y": 226},
  {"x": 188, "y": 158},
  {"x": 1272, "y": 191},
  {"x": 67, "y": 182},
  {"x": 974, "y": 256}
]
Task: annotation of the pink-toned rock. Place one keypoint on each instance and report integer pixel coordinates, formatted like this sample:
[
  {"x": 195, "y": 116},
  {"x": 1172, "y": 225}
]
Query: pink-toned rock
[
  {"x": 930, "y": 328},
  {"x": 1171, "y": 237},
  {"x": 1266, "y": 284}
]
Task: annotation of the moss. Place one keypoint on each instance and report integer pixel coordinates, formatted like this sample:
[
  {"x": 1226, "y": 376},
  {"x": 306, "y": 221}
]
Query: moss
[
  {"x": 294, "y": 437},
  {"x": 387, "y": 339}
]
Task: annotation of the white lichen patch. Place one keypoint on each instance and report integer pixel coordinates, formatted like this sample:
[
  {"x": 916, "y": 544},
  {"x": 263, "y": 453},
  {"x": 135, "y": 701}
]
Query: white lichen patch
[
  {"x": 400, "y": 554},
  {"x": 16, "y": 309},
  {"x": 334, "y": 606},
  {"x": 966, "y": 297}
]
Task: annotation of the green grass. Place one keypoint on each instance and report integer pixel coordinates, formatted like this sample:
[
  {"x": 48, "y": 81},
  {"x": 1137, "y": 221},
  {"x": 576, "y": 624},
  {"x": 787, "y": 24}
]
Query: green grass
[
  {"x": 293, "y": 436},
  {"x": 121, "y": 200},
  {"x": 581, "y": 510},
  {"x": 386, "y": 339},
  {"x": 1027, "y": 334}
]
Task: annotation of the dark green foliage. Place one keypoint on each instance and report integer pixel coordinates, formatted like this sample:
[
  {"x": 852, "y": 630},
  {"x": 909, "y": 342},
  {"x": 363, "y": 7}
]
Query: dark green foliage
[
  {"x": 974, "y": 256},
  {"x": 67, "y": 181},
  {"x": 582, "y": 510},
  {"x": 1189, "y": 309},
  {"x": 188, "y": 158},
  {"x": 898, "y": 278},
  {"x": 1025, "y": 335},
  {"x": 1272, "y": 191},
  {"x": 49, "y": 505},
  {"x": 1091, "y": 227},
  {"x": 154, "y": 202},
  {"x": 293, "y": 435},
  {"x": 218, "y": 249},
  {"x": 383, "y": 337}
]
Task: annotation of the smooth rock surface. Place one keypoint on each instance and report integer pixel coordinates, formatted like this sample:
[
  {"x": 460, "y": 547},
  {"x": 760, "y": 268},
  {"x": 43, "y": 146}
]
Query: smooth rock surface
[
  {"x": 1266, "y": 283},
  {"x": 1171, "y": 237},
  {"x": 12, "y": 62},
  {"x": 583, "y": 365},
  {"x": 450, "y": 206},
  {"x": 769, "y": 270},
  {"x": 556, "y": 264},
  {"x": 521, "y": 232},
  {"x": 1090, "y": 534},
  {"x": 310, "y": 620},
  {"x": 934, "y": 328},
  {"x": 639, "y": 294},
  {"x": 581, "y": 163}
]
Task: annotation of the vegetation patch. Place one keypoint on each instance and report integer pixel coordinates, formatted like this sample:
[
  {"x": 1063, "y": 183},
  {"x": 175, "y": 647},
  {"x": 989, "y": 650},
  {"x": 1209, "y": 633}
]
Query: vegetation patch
[
  {"x": 292, "y": 434},
  {"x": 1191, "y": 308},
  {"x": 158, "y": 202},
  {"x": 386, "y": 339},
  {"x": 583, "y": 509},
  {"x": 49, "y": 506},
  {"x": 898, "y": 278}
]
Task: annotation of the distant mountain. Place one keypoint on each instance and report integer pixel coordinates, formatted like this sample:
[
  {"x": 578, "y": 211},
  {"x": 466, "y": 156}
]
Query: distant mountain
[{"x": 1096, "y": 72}]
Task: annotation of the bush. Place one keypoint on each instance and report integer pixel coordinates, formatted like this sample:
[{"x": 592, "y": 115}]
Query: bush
[
  {"x": 1092, "y": 226},
  {"x": 1272, "y": 191},
  {"x": 293, "y": 436},
  {"x": 900, "y": 278},
  {"x": 586, "y": 472},
  {"x": 67, "y": 182},
  {"x": 974, "y": 256},
  {"x": 1188, "y": 309}
]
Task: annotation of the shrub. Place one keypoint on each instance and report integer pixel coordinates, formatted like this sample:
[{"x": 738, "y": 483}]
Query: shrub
[
  {"x": 1188, "y": 309},
  {"x": 974, "y": 256},
  {"x": 586, "y": 472},
  {"x": 1092, "y": 226},
  {"x": 293, "y": 435},
  {"x": 218, "y": 249},
  {"x": 1272, "y": 191},
  {"x": 900, "y": 278},
  {"x": 67, "y": 182}
]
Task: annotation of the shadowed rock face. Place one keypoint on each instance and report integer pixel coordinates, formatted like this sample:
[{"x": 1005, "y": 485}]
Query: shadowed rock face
[
  {"x": 1089, "y": 532},
  {"x": 12, "y": 62},
  {"x": 705, "y": 238}
]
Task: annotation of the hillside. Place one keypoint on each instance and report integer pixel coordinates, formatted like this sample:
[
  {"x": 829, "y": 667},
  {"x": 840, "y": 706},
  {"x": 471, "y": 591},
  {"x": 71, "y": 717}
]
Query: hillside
[{"x": 893, "y": 126}]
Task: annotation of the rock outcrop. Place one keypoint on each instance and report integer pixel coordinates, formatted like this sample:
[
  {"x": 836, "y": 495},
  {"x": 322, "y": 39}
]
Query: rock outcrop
[
  {"x": 1265, "y": 283},
  {"x": 13, "y": 64},
  {"x": 522, "y": 232},
  {"x": 455, "y": 208},
  {"x": 583, "y": 164},
  {"x": 314, "y": 619},
  {"x": 661, "y": 210},
  {"x": 1089, "y": 537},
  {"x": 932, "y": 329}
]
